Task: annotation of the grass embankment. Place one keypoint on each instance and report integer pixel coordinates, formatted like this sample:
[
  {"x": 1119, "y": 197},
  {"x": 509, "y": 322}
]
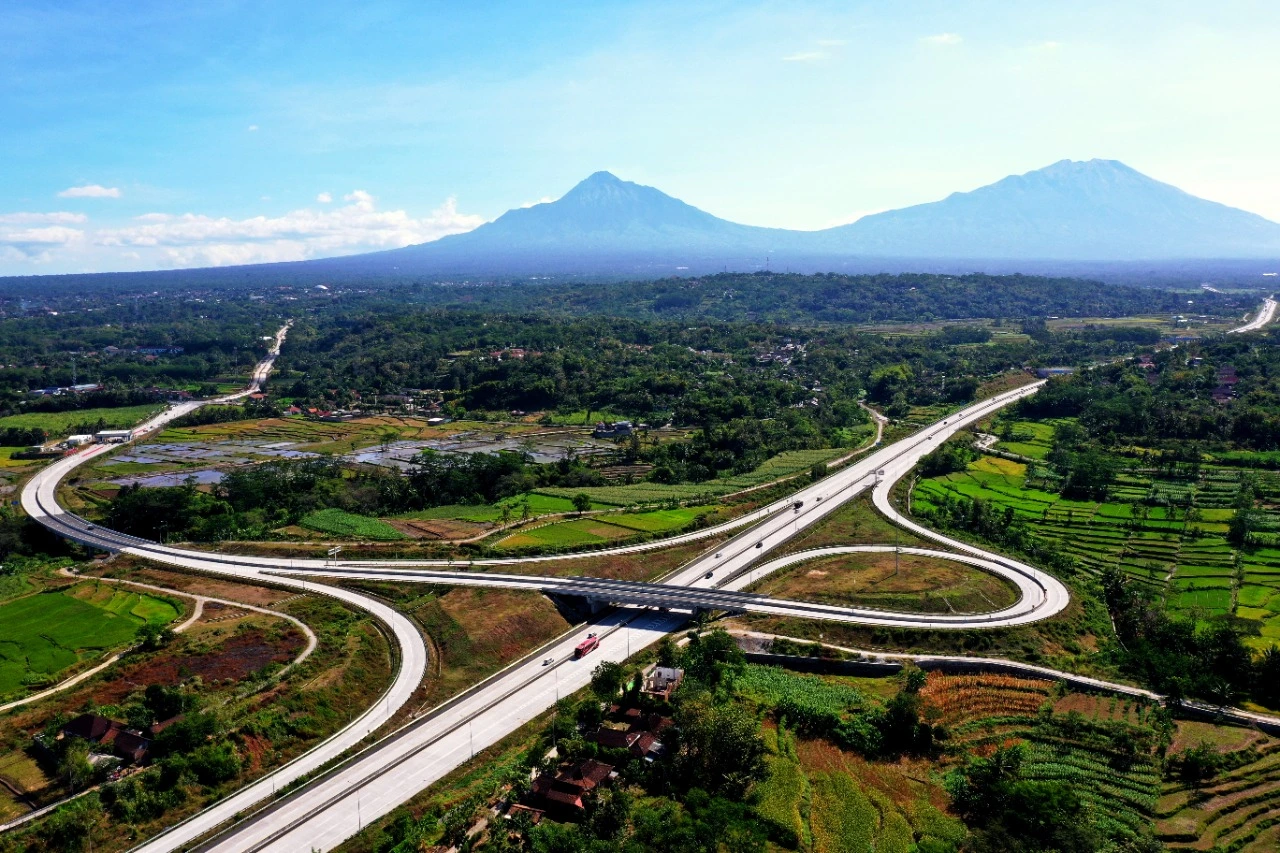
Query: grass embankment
[
  {"x": 783, "y": 465},
  {"x": 886, "y": 581}
]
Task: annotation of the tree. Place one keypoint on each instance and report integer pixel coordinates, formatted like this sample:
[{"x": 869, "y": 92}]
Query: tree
[
  {"x": 582, "y": 502},
  {"x": 151, "y": 637},
  {"x": 74, "y": 765},
  {"x": 713, "y": 657},
  {"x": 606, "y": 680},
  {"x": 721, "y": 750}
]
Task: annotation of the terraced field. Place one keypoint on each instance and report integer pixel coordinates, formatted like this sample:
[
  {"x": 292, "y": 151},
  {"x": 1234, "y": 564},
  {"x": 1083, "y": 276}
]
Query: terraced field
[
  {"x": 1168, "y": 535},
  {"x": 1236, "y": 811},
  {"x": 1077, "y": 739},
  {"x": 821, "y": 798}
]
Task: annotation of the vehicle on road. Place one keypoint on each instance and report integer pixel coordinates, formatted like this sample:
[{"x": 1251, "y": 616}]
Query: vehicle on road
[
  {"x": 797, "y": 506},
  {"x": 587, "y": 646},
  {"x": 548, "y": 661},
  {"x": 717, "y": 555},
  {"x": 760, "y": 544},
  {"x": 708, "y": 574}
]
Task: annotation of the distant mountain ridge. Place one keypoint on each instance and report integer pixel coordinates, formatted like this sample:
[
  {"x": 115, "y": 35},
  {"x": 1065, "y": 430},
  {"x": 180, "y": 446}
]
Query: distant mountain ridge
[{"x": 1070, "y": 211}]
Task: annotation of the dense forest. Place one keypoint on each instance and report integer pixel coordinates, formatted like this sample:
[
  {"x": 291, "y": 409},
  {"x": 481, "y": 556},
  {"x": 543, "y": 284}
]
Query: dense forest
[
  {"x": 126, "y": 346},
  {"x": 704, "y": 373},
  {"x": 830, "y": 298}
]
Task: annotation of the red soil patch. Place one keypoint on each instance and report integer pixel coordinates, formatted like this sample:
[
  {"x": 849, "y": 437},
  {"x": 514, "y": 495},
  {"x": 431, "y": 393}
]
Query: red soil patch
[{"x": 236, "y": 658}]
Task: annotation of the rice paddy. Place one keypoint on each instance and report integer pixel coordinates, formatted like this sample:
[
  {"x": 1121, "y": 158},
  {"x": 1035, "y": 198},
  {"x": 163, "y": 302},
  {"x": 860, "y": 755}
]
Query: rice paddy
[
  {"x": 49, "y": 632},
  {"x": 1169, "y": 535}
]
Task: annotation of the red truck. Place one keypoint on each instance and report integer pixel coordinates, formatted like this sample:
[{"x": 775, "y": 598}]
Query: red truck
[{"x": 586, "y": 646}]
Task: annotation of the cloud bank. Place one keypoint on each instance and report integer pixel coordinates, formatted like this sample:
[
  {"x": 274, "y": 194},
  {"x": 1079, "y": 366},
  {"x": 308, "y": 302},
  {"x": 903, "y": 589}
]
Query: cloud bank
[
  {"x": 193, "y": 239},
  {"x": 90, "y": 191}
]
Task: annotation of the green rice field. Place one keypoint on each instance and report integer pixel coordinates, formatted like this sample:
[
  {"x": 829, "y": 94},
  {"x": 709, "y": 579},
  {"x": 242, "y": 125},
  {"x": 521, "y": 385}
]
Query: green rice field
[
  {"x": 347, "y": 525},
  {"x": 60, "y": 424},
  {"x": 783, "y": 465},
  {"x": 592, "y": 530},
  {"x": 1167, "y": 535},
  {"x": 51, "y": 631}
]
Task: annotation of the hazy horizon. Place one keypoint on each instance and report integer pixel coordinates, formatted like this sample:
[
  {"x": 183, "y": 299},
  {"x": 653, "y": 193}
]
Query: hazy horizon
[{"x": 143, "y": 136}]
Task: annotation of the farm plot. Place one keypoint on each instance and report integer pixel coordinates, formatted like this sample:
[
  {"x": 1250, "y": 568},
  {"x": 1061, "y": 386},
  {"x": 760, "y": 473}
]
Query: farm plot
[
  {"x": 64, "y": 423},
  {"x": 1237, "y": 809},
  {"x": 1154, "y": 529},
  {"x": 1090, "y": 752},
  {"x": 346, "y": 525},
  {"x": 593, "y": 530},
  {"x": 49, "y": 632},
  {"x": 783, "y": 465}
]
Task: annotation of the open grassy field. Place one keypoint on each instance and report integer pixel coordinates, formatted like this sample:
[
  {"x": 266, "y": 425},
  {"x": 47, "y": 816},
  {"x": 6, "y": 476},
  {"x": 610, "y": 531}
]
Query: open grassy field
[
  {"x": 346, "y": 525},
  {"x": 594, "y": 529},
  {"x": 1169, "y": 535},
  {"x": 49, "y": 632},
  {"x": 907, "y": 583},
  {"x": 61, "y": 424}
]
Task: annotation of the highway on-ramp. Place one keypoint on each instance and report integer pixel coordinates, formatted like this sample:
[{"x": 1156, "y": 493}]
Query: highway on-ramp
[{"x": 323, "y": 813}]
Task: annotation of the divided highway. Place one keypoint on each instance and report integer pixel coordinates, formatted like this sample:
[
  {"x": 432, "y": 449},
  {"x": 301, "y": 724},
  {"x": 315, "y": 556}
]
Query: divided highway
[
  {"x": 1264, "y": 316},
  {"x": 336, "y": 805}
]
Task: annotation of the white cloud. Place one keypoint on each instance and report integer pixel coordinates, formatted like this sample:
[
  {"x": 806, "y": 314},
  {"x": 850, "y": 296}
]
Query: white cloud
[
  {"x": 252, "y": 128},
  {"x": 57, "y": 218},
  {"x": 942, "y": 39},
  {"x": 806, "y": 56},
  {"x": 546, "y": 199},
  {"x": 324, "y": 198},
  {"x": 90, "y": 191},
  {"x": 194, "y": 239}
]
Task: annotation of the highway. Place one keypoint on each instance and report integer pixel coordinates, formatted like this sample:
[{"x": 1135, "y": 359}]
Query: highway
[
  {"x": 1264, "y": 316},
  {"x": 322, "y": 814}
]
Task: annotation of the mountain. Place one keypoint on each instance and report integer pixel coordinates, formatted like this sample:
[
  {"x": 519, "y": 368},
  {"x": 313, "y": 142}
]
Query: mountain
[
  {"x": 1071, "y": 210},
  {"x": 603, "y": 221}
]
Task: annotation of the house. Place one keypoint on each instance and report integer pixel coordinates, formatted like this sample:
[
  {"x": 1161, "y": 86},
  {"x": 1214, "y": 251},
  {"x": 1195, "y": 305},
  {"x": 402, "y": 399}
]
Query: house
[
  {"x": 1046, "y": 372},
  {"x": 617, "y": 429},
  {"x": 292, "y": 411},
  {"x": 114, "y": 436},
  {"x": 109, "y": 736},
  {"x": 641, "y": 744},
  {"x": 662, "y": 682},
  {"x": 568, "y": 790}
]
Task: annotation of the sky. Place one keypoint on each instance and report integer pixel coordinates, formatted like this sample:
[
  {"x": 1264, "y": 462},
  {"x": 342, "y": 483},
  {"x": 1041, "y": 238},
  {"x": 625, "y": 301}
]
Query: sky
[{"x": 144, "y": 135}]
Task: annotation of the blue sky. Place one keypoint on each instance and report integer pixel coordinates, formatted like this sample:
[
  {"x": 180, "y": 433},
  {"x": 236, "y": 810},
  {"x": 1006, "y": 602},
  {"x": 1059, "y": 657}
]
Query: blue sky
[{"x": 141, "y": 135}]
